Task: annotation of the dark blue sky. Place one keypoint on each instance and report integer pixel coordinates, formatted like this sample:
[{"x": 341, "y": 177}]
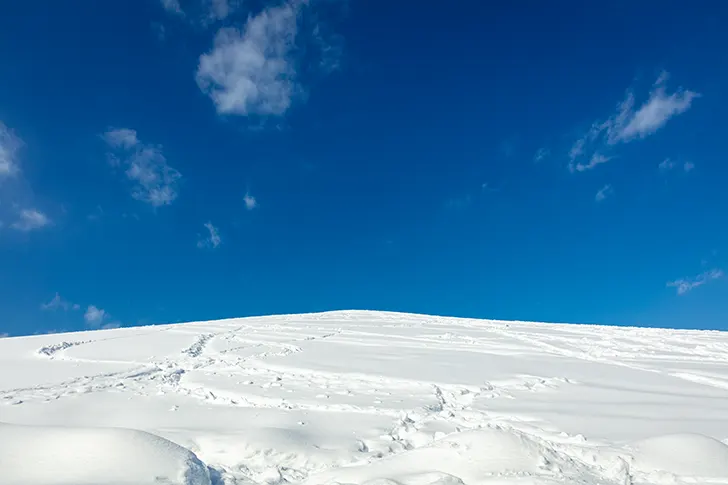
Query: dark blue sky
[{"x": 166, "y": 161}]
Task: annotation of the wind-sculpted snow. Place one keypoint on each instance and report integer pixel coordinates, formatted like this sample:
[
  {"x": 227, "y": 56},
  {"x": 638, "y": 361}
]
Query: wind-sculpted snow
[{"x": 392, "y": 399}]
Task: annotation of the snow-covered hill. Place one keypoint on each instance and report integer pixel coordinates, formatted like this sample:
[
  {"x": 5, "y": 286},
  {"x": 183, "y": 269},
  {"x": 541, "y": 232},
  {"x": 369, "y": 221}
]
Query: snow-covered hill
[{"x": 365, "y": 397}]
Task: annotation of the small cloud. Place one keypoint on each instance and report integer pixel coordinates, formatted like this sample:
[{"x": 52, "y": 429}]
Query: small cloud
[
  {"x": 213, "y": 240},
  {"x": 94, "y": 315},
  {"x": 603, "y": 193},
  {"x": 685, "y": 285},
  {"x": 172, "y": 6},
  {"x": 96, "y": 214},
  {"x": 4, "y": 335},
  {"x": 541, "y": 153},
  {"x": 666, "y": 165},
  {"x": 596, "y": 159},
  {"x": 202, "y": 12},
  {"x": 154, "y": 180},
  {"x": 159, "y": 30},
  {"x": 58, "y": 303},
  {"x": 250, "y": 202},
  {"x": 9, "y": 146},
  {"x": 628, "y": 124},
  {"x": 121, "y": 138},
  {"x": 111, "y": 325},
  {"x": 30, "y": 219}
]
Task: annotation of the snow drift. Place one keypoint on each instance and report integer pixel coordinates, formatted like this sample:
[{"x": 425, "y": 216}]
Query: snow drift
[{"x": 42, "y": 455}]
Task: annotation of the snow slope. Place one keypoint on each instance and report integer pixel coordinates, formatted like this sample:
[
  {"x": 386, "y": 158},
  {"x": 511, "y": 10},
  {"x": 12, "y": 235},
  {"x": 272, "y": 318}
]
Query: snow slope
[{"x": 369, "y": 398}]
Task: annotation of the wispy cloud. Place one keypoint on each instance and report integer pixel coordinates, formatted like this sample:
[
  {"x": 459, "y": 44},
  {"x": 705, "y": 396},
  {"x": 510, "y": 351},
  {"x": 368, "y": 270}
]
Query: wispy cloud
[
  {"x": 655, "y": 112},
  {"x": 220, "y": 9},
  {"x": 667, "y": 164},
  {"x": 684, "y": 285},
  {"x": 212, "y": 240},
  {"x": 541, "y": 154},
  {"x": 97, "y": 214},
  {"x": 9, "y": 146},
  {"x": 94, "y": 316},
  {"x": 252, "y": 71},
  {"x": 30, "y": 219},
  {"x": 58, "y": 303},
  {"x": 628, "y": 124},
  {"x": 250, "y": 202},
  {"x": 603, "y": 193},
  {"x": 172, "y": 6},
  {"x": 154, "y": 180},
  {"x": 596, "y": 159},
  {"x": 201, "y": 12}
]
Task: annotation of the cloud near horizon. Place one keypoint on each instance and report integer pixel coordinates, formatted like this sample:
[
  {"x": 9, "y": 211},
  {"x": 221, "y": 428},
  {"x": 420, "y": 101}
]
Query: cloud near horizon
[{"x": 684, "y": 285}]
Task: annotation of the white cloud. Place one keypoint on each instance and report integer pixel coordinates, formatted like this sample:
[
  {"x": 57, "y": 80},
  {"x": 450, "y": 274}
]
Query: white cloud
[
  {"x": 252, "y": 71},
  {"x": 9, "y": 146},
  {"x": 250, "y": 202},
  {"x": 213, "y": 240},
  {"x": 655, "y": 113},
  {"x": 58, "y": 303},
  {"x": 172, "y": 6},
  {"x": 94, "y": 315},
  {"x": 202, "y": 12},
  {"x": 155, "y": 182},
  {"x": 628, "y": 124},
  {"x": 684, "y": 285},
  {"x": 4, "y": 335},
  {"x": 31, "y": 219},
  {"x": 666, "y": 165},
  {"x": 603, "y": 193},
  {"x": 219, "y": 9},
  {"x": 121, "y": 138},
  {"x": 541, "y": 153},
  {"x": 596, "y": 159}
]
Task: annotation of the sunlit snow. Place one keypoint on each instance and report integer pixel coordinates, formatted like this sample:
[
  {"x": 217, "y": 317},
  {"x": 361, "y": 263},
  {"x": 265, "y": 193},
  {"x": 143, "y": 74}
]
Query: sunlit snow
[{"x": 365, "y": 398}]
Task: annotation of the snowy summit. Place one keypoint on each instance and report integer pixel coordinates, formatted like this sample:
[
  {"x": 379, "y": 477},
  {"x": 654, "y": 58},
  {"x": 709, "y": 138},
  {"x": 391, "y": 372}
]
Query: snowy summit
[{"x": 365, "y": 398}]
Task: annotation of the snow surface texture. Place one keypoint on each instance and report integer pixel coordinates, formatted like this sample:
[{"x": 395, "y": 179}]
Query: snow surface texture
[
  {"x": 365, "y": 398},
  {"x": 90, "y": 456}
]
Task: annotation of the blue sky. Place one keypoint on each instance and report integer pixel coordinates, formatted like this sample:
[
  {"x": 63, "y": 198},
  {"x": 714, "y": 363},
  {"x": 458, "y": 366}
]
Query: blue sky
[{"x": 165, "y": 161}]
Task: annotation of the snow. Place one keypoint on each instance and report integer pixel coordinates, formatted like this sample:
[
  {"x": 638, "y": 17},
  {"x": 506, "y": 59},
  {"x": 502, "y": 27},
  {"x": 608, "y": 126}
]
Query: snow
[
  {"x": 365, "y": 398},
  {"x": 88, "y": 456}
]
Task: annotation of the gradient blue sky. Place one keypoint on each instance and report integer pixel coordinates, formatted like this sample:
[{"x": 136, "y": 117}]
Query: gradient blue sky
[{"x": 172, "y": 160}]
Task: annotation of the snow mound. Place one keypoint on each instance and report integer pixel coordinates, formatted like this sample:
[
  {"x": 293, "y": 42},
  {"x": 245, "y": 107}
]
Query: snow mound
[
  {"x": 33, "y": 455},
  {"x": 685, "y": 454},
  {"x": 466, "y": 457}
]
